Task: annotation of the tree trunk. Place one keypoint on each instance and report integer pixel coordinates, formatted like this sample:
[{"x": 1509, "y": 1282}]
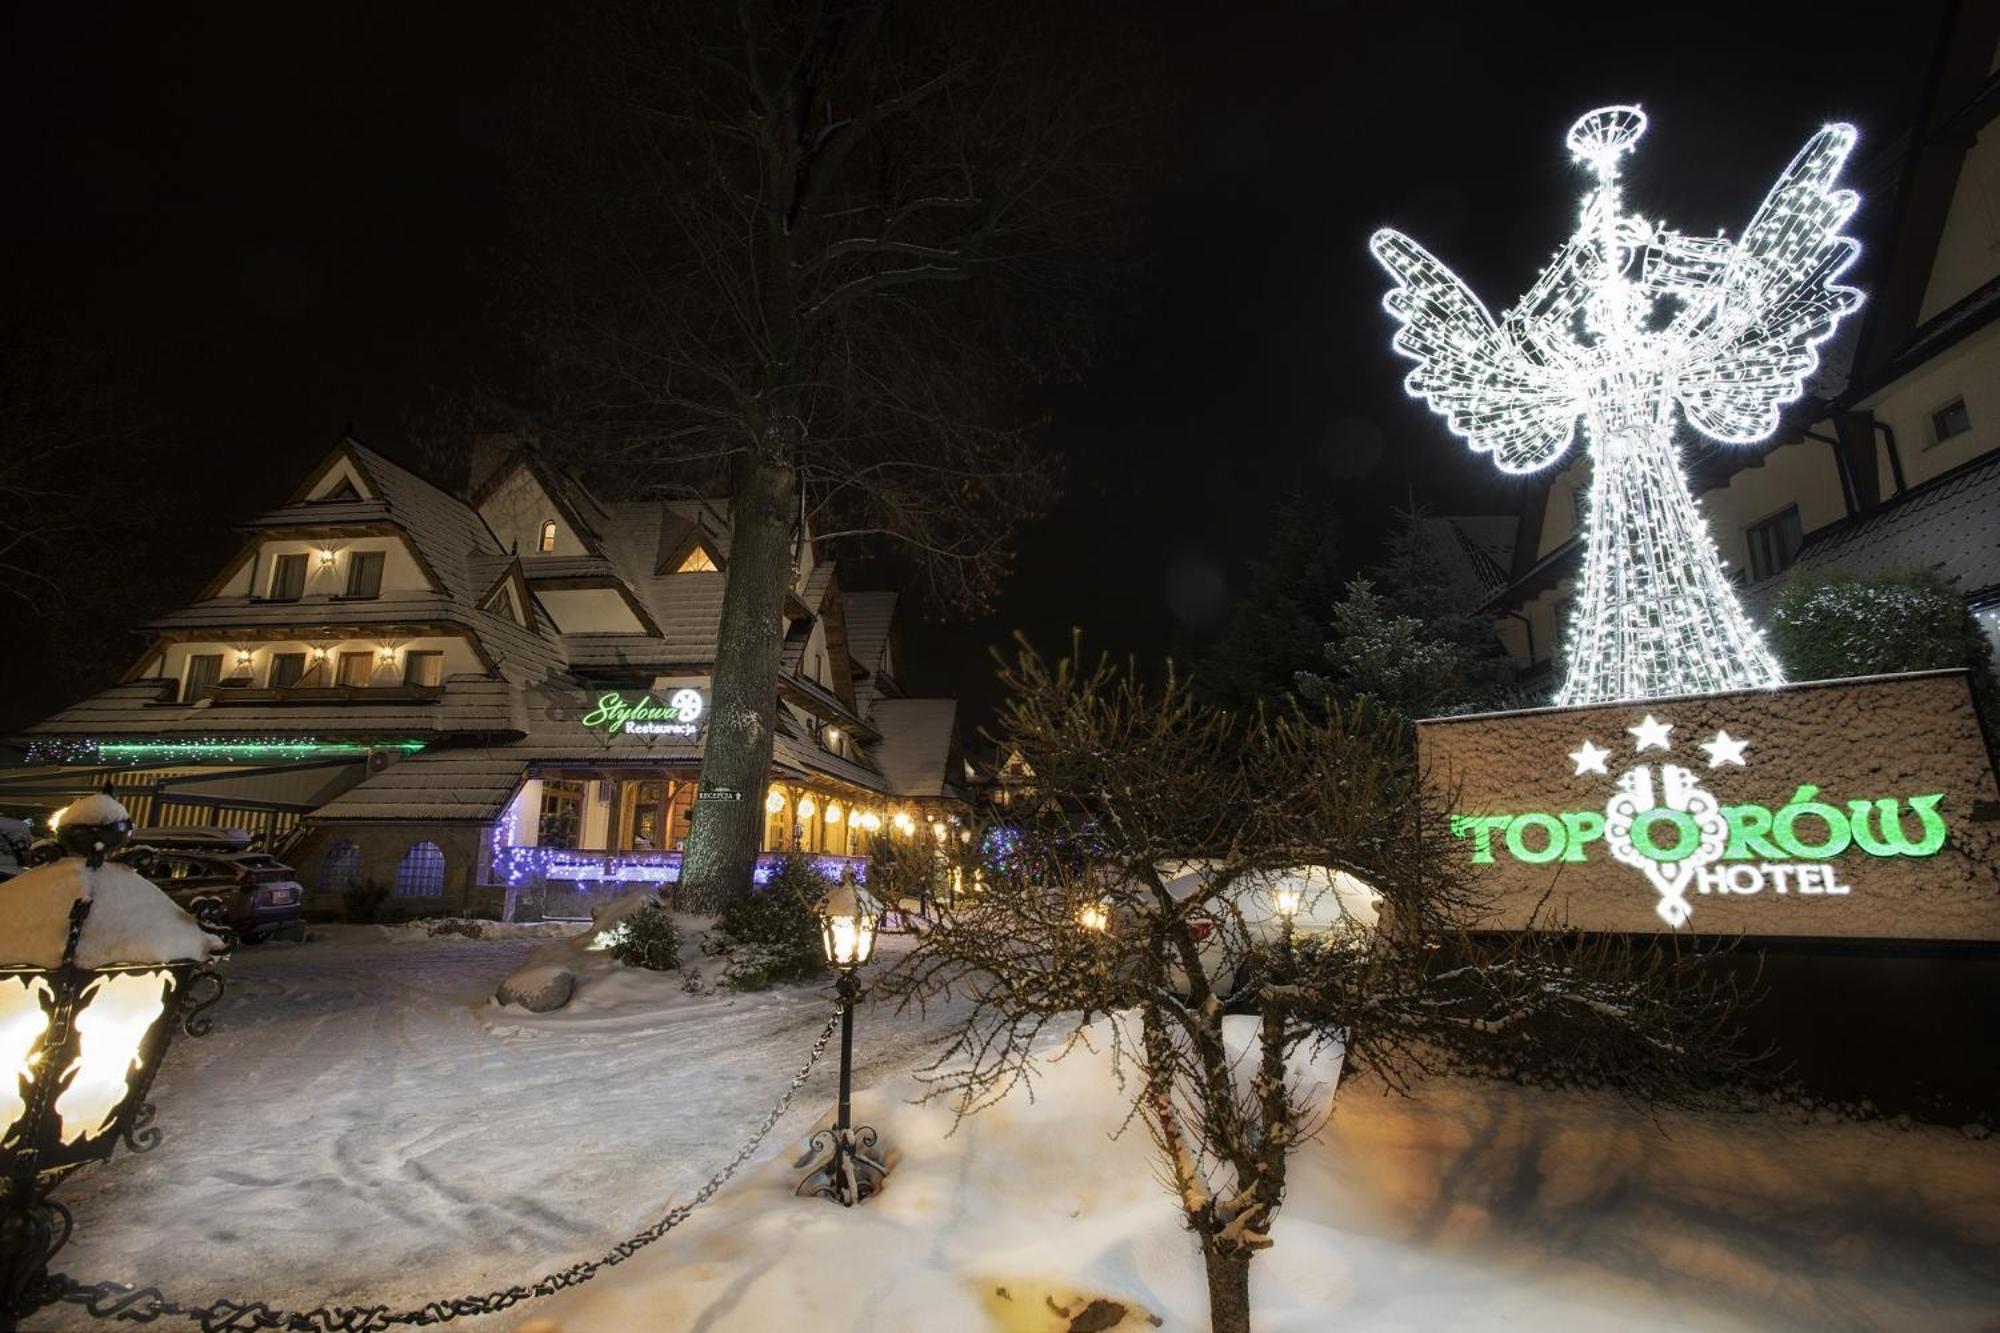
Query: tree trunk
[
  {"x": 743, "y": 695},
  {"x": 1228, "y": 1288}
]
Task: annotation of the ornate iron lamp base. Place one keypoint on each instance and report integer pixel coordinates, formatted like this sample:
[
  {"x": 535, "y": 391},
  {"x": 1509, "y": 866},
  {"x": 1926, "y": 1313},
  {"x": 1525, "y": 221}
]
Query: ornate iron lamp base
[
  {"x": 31, "y": 1231},
  {"x": 844, "y": 1166}
]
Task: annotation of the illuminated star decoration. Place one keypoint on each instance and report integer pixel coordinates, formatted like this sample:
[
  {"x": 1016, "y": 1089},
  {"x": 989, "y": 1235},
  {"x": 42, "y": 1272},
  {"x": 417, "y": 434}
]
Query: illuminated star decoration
[
  {"x": 1628, "y": 322},
  {"x": 1651, "y": 735},
  {"x": 1724, "y": 749},
  {"x": 1590, "y": 759}
]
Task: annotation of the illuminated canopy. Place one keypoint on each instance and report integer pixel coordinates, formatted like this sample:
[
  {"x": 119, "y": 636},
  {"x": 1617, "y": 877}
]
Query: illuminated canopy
[{"x": 1629, "y": 321}]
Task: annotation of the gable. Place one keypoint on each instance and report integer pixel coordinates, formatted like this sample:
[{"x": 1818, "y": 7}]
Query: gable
[{"x": 337, "y": 479}]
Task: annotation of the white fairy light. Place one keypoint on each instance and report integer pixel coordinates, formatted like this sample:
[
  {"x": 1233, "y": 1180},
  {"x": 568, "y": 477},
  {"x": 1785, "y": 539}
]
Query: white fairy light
[{"x": 1629, "y": 320}]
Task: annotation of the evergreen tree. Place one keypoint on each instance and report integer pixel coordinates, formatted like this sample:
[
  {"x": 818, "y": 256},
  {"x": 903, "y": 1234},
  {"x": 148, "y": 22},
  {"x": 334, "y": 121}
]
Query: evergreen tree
[
  {"x": 1420, "y": 645},
  {"x": 1281, "y": 625}
]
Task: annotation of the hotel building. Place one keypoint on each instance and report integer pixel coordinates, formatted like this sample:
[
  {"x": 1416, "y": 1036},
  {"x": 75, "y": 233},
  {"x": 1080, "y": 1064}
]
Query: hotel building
[{"x": 493, "y": 703}]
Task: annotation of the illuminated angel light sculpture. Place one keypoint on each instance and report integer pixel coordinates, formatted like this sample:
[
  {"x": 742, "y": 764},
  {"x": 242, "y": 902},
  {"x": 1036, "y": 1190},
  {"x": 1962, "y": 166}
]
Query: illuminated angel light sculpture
[{"x": 1629, "y": 321}]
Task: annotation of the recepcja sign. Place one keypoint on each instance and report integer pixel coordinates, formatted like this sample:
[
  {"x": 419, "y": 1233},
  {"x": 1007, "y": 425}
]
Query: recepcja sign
[{"x": 1852, "y": 808}]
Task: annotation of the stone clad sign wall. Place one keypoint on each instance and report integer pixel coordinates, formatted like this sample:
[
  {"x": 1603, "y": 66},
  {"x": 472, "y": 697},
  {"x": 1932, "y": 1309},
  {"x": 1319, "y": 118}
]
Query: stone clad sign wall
[{"x": 1862, "y": 809}]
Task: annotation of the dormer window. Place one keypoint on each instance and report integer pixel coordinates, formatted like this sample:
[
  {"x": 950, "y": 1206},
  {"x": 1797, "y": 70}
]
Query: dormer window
[
  {"x": 698, "y": 562},
  {"x": 546, "y": 544}
]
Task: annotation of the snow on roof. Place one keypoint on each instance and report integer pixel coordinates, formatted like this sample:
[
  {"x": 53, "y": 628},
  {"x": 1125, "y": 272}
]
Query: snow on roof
[
  {"x": 919, "y": 738},
  {"x": 474, "y": 783},
  {"x": 469, "y": 704},
  {"x": 505, "y": 640},
  {"x": 869, "y": 617},
  {"x": 130, "y": 920},
  {"x": 1945, "y": 524}
]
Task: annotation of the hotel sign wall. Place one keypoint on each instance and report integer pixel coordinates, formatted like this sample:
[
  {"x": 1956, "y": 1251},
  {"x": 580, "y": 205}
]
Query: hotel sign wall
[{"x": 1854, "y": 809}]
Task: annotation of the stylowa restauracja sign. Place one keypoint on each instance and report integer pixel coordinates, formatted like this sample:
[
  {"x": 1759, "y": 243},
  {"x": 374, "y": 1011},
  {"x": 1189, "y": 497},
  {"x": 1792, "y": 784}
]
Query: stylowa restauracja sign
[
  {"x": 1845, "y": 808},
  {"x": 679, "y": 717}
]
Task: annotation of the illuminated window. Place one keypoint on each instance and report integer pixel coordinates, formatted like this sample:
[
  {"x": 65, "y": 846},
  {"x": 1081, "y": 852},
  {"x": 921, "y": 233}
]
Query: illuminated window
[
  {"x": 1949, "y": 420},
  {"x": 355, "y": 669},
  {"x": 697, "y": 562},
  {"x": 340, "y": 868},
  {"x": 1774, "y": 544},
  {"x": 420, "y": 874},
  {"x": 547, "y": 544}
]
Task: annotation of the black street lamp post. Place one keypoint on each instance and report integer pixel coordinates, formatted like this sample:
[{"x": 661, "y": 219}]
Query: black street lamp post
[
  {"x": 844, "y": 1165},
  {"x": 97, "y": 967}
]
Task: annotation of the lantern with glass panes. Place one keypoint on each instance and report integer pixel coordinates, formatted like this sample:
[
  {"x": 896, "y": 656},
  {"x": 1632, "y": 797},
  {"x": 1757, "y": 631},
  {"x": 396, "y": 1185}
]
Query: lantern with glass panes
[
  {"x": 97, "y": 967},
  {"x": 844, "y": 1165}
]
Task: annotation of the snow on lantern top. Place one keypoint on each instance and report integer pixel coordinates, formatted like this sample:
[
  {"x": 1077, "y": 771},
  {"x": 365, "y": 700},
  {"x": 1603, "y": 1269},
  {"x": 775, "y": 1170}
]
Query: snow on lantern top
[{"x": 130, "y": 919}]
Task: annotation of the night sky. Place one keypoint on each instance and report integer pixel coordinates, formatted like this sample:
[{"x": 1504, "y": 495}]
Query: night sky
[{"x": 278, "y": 221}]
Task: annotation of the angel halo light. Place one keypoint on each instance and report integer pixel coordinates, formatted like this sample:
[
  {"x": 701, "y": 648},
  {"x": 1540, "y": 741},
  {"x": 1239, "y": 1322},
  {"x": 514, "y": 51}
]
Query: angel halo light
[{"x": 1629, "y": 321}]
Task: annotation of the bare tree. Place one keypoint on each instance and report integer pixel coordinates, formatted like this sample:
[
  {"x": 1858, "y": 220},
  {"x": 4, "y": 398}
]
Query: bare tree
[
  {"x": 1145, "y": 893},
  {"x": 817, "y": 257},
  {"x": 60, "y": 414}
]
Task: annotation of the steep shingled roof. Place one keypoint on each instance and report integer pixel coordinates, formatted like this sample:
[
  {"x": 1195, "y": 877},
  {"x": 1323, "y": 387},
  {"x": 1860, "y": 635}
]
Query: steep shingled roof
[
  {"x": 919, "y": 745},
  {"x": 870, "y": 618},
  {"x": 1946, "y": 524}
]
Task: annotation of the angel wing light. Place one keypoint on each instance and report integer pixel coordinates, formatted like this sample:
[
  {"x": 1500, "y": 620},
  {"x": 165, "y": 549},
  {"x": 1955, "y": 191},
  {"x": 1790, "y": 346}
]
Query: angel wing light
[{"x": 1628, "y": 321}]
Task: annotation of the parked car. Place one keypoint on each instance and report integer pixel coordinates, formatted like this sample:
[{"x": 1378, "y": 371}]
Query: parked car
[
  {"x": 16, "y": 837},
  {"x": 253, "y": 893}
]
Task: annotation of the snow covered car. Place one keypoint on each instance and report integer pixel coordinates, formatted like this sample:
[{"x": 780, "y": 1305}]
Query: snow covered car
[
  {"x": 253, "y": 893},
  {"x": 1327, "y": 900}
]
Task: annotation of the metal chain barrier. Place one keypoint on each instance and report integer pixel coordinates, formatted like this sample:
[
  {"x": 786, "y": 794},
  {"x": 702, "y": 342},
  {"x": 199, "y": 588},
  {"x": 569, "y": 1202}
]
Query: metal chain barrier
[{"x": 144, "y": 1305}]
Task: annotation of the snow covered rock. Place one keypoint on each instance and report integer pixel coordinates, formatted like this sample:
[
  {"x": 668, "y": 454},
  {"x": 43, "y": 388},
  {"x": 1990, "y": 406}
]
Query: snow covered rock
[{"x": 538, "y": 987}]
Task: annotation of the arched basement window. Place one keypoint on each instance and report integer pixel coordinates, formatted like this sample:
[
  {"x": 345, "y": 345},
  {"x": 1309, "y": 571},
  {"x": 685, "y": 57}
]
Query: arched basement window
[
  {"x": 421, "y": 873},
  {"x": 547, "y": 544},
  {"x": 340, "y": 868}
]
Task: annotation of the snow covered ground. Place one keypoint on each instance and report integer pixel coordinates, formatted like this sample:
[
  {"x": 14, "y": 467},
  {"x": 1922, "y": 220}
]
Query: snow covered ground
[{"x": 361, "y": 1124}]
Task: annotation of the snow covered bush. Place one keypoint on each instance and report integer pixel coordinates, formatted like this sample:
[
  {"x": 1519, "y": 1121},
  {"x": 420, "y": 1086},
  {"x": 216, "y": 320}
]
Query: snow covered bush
[
  {"x": 772, "y": 934},
  {"x": 1836, "y": 625},
  {"x": 365, "y": 903},
  {"x": 1139, "y": 891},
  {"x": 647, "y": 938}
]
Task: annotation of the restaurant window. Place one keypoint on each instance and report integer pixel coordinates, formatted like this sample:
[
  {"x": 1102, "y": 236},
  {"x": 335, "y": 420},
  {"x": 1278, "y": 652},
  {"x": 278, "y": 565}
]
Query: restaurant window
[
  {"x": 364, "y": 574},
  {"x": 1949, "y": 420},
  {"x": 425, "y": 668},
  {"x": 561, "y": 814},
  {"x": 1774, "y": 544},
  {"x": 355, "y": 669},
  {"x": 286, "y": 669},
  {"x": 203, "y": 670},
  {"x": 420, "y": 874},
  {"x": 288, "y": 577},
  {"x": 340, "y": 868}
]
